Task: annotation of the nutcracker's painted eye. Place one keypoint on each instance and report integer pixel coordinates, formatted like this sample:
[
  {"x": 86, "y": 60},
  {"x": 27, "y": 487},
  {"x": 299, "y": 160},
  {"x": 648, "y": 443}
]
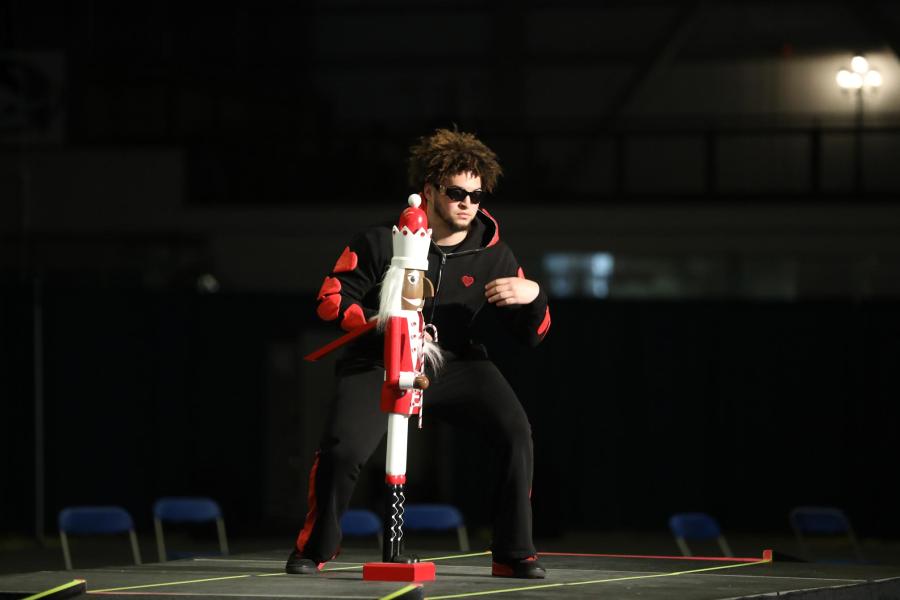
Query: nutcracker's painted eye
[{"x": 413, "y": 277}]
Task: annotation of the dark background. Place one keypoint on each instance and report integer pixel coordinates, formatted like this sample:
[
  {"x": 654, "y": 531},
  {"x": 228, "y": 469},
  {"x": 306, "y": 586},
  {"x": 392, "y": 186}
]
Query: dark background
[{"x": 176, "y": 178}]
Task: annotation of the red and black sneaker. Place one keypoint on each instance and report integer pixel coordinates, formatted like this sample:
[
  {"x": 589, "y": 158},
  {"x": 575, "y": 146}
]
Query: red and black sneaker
[
  {"x": 520, "y": 568},
  {"x": 297, "y": 564}
]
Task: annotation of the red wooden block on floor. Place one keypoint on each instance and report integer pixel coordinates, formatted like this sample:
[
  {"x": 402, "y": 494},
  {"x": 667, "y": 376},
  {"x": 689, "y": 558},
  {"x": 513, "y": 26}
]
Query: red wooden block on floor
[{"x": 380, "y": 571}]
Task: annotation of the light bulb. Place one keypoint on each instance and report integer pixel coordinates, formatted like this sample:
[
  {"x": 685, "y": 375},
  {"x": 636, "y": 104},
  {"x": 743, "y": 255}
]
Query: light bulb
[
  {"x": 873, "y": 79},
  {"x": 859, "y": 64},
  {"x": 848, "y": 80}
]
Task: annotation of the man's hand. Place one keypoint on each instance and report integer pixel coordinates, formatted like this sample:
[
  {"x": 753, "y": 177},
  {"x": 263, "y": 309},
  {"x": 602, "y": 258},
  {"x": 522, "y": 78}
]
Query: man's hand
[
  {"x": 507, "y": 291},
  {"x": 421, "y": 382}
]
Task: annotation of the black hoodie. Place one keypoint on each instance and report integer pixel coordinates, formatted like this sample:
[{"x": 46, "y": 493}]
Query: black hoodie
[{"x": 459, "y": 278}]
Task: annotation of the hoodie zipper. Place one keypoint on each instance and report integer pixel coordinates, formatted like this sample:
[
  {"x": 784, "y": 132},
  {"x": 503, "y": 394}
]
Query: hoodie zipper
[
  {"x": 437, "y": 285},
  {"x": 444, "y": 257}
]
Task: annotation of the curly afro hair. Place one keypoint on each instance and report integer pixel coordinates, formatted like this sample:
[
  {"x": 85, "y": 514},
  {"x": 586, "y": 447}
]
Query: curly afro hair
[{"x": 446, "y": 153}]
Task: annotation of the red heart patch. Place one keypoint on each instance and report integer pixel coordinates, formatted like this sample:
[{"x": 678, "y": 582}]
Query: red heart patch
[
  {"x": 353, "y": 318},
  {"x": 468, "y": 280},
  {"x": 331, "y": 285},
  {"x": 347, "y": 261},
  {"x": 329, "y": 307}
]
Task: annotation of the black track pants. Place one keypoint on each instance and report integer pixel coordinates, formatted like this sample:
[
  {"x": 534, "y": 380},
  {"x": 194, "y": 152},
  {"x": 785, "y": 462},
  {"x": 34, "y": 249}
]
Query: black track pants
[{"x": 466, "y": 393}]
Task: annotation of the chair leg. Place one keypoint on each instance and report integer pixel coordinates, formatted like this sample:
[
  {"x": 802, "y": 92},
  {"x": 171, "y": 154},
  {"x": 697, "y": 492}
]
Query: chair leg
[
  {"x": 160, "y": 542},
  {"x": 463, "y": 537},
  {"x": 67, "y": 557},
  {"x": 223, "y": 539},
  {"x": 682, "y": 545},
  {"x": 380, "y": 539},
  {"x": 134, "y": 546},
  {"x": 726, "y": 549}
]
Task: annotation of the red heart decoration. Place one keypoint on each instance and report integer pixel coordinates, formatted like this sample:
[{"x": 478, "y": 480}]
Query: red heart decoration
[
  {"x": 329, "y": 307},
  {"x": 347, "y": 261},
  {"x": 468, "y": 280},
  {"x": 331, "y": 285},
  {"x": 353, "y": 318}
]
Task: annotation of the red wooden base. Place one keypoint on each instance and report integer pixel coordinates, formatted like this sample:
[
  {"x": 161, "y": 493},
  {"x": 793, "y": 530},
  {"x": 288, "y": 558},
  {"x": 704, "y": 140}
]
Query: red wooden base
[{"x": 380, "y": 571}]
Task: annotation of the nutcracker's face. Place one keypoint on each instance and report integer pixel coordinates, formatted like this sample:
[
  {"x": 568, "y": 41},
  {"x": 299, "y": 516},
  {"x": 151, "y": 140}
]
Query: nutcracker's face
[{"x": 416, "y": 287}]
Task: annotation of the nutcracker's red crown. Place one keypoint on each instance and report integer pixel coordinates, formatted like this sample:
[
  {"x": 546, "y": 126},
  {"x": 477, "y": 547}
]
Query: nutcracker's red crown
[{"x": 411, "y": 237}]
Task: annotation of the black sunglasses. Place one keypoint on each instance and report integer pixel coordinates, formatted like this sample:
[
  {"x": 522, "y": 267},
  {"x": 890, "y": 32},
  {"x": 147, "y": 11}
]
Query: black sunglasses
[{"x": 458, "y": 194}]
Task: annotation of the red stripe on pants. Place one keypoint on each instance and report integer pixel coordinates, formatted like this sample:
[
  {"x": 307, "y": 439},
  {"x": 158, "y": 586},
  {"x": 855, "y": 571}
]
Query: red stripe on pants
[{"x": 313, "y": 512}]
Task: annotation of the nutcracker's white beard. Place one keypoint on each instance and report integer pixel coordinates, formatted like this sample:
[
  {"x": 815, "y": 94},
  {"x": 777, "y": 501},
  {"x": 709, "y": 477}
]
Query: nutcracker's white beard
[
  {"x": 434, "y": 356},
  {"x": 389, "y": 301}
]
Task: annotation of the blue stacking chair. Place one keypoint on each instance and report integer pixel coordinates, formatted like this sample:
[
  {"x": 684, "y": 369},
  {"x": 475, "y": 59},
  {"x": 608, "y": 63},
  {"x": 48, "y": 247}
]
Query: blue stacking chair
[
  {"x": 359, "y": 522},
  {"x": 823, "y": 522},
  {"x": 696, "y": 526},
  {"x": 180, "y": 509},
  {"x": 436, "y": 517},
  {"x": 95, "y": 520}
]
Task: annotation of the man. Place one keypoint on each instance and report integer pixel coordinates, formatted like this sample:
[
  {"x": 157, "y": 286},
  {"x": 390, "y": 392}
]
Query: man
[{"x": 472, "y": 270}]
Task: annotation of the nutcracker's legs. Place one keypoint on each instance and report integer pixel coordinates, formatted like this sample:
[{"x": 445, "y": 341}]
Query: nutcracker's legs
[{"x": 392, "y": 550}]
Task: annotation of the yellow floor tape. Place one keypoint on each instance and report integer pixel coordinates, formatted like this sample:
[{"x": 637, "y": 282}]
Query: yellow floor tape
[
  {"x": 150, "y": 585},
  {"x": 57, "y": 589},
  {"x": 399, "y": 592}
]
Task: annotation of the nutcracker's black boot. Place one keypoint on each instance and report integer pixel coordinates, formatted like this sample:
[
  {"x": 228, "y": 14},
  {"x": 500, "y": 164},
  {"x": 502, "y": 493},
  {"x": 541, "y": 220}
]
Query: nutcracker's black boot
[{"x": 392, "y": 549}]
